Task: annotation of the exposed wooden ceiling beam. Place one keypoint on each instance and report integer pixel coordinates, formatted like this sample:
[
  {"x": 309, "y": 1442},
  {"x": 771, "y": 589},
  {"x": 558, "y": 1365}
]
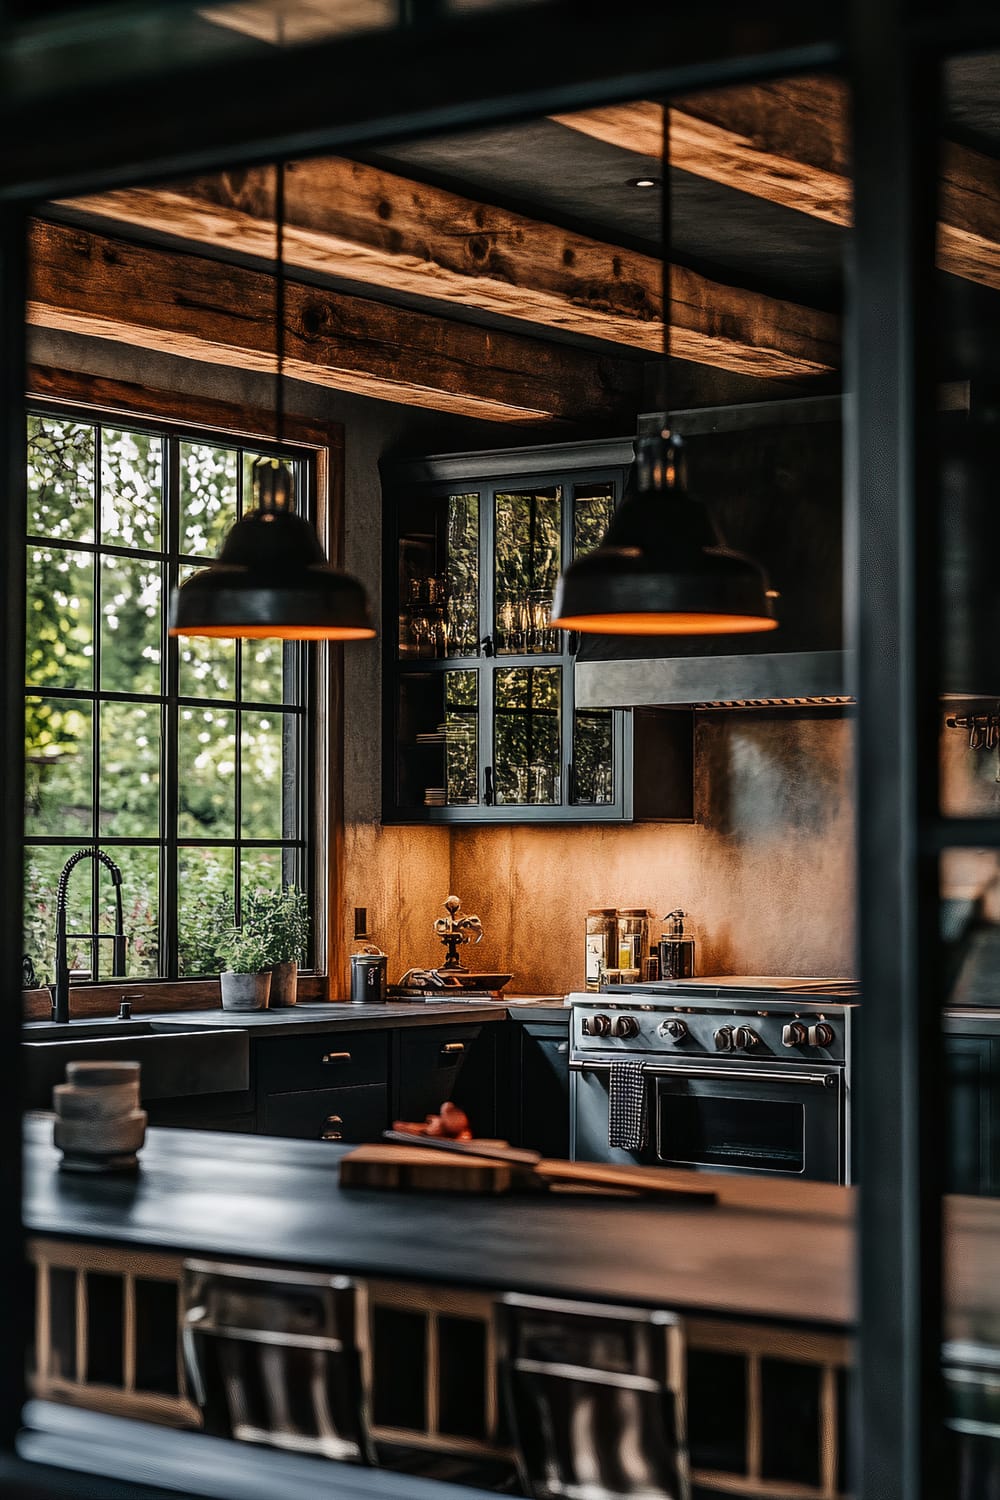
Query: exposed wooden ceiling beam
[
  {"x": 355, "y": 222},
  {"x": 788, "y": 142},
  {"x": 185, "y": 305}
]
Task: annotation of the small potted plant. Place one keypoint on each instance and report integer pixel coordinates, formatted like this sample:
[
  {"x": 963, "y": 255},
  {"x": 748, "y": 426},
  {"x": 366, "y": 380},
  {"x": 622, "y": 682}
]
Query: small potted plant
[
  {"x": 284, "y": 917},
  {"x": 246, "y": 979}
]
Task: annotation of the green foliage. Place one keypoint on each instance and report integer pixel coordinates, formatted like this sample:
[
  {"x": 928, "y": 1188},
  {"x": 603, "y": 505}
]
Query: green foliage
[
  {"x": 282, "y": 917},
  {"x": 245, "y": 952},
  {"x": 275, "y": 930},
  {"x": 204, "y": 910},
  {"x": 63, "y": 490}
]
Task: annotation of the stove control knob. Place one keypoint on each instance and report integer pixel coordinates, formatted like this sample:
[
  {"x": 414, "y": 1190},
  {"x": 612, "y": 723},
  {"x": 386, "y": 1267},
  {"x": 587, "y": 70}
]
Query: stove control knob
[
  {"x": 724, "y": 1039},
  {"x": 626, "y": 1027},
  {"x": 675, "y": 1030},
  {"x": 597, "y": 1025},
  {"x": 820, "y": 1035},
  {"x": 744, "y": 1038},
  {"x": 794, "y": 1034}
]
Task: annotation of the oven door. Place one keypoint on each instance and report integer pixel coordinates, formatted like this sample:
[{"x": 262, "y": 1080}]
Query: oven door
[{"x": 773, "y": 1121}]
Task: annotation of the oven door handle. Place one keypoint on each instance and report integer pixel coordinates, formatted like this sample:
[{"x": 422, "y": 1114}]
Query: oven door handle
[{"x": 757, "y": 1075}]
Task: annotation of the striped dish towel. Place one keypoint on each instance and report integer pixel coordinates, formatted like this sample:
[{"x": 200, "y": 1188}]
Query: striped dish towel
[{"x": 627, "y": 1105}]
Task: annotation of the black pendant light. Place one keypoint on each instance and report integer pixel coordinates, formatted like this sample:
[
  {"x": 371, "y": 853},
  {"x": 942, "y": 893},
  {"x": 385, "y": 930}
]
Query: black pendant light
[
  {"x": 662, "y": 568},
  {"x": 272, "y": 577}
]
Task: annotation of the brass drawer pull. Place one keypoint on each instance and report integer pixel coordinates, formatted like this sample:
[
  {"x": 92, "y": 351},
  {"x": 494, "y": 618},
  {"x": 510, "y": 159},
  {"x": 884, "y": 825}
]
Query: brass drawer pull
[
  {"x": 335, "y": 1057},
  {"x": 447, "y": 1047},
  {"x": 331, "y": 1131}
]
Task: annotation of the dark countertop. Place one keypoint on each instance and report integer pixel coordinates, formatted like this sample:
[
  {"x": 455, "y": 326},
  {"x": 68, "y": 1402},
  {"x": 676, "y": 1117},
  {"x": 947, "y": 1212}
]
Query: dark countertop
[
  {"x": 529, "y": 1008},
  {"x": 319, "y": 1015},
  {"x": 261, "y": 1198},
  {"x": 325, "y": 1015},
  {"x": 767, "y": 1248}
]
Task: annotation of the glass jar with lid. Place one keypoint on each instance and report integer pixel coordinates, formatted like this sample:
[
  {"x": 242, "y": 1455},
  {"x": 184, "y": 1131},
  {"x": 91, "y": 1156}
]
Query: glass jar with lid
[
  {"x": 633, "y": 937},
  {"x": 601, "y": 944}
]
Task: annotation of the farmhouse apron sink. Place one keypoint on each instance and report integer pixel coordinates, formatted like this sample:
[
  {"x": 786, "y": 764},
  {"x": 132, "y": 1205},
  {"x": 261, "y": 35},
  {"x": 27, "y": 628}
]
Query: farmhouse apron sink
[{"x": 177, "y": 1059}]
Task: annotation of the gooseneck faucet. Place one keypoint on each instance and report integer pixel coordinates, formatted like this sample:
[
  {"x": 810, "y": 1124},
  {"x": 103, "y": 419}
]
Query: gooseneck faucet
[{"x": 60, "y": 990}]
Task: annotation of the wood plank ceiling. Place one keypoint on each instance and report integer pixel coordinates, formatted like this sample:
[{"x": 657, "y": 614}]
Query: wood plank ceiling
[{"x": 511, "y": 274}]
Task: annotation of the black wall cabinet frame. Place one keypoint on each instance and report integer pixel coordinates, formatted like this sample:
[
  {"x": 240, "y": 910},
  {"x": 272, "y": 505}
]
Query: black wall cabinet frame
[{"x": 480, "y": 723}]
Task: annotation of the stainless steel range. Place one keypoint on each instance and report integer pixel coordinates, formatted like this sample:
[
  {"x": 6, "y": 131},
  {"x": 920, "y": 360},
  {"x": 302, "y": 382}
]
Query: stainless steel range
[{"x": 741, "y": 1073}]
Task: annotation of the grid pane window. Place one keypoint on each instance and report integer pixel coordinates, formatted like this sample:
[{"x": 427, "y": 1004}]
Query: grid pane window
[{"x": 186, "y": 760}]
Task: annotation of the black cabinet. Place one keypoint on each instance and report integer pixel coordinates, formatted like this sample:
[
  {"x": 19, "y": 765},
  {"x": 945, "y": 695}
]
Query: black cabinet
[
  {"x": 331, "y": 1085},
  {"x": 973, "y": 1080},
  {"x": 481, "y": 723},
  {"x": 322, "y": 1060},
  {"x": 435, "y": 1063},
  {"x": 232, "y": 1112},
  {"x": 350, "y": 1115},
  {"x": 541, "y": 1086}
]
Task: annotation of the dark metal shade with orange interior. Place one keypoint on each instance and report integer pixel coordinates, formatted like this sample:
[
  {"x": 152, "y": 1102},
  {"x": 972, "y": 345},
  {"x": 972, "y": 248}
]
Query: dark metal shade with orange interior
[
  {"x": 272, "y": 578},
  {"x": 662, "y": 568}
]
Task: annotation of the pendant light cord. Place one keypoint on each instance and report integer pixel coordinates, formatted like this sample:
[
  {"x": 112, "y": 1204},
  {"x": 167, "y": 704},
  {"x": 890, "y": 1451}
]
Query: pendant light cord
[
  {"x": 279, "y": 301},
  {"x": 665, "y": 266}
]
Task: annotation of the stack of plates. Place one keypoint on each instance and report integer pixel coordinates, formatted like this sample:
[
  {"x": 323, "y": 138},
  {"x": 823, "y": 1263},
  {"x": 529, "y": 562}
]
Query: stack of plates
[
  {"x": 435, "y": 796},
  {"x": 435, "y": 737}
]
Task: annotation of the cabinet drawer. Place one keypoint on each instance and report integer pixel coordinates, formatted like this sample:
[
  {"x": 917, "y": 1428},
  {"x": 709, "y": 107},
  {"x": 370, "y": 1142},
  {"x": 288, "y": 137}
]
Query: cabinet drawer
[
  {"x": 340, "y": 1059},
  {"x": 447, "y": 1062},
  {"x": 351, "y": 1115}
]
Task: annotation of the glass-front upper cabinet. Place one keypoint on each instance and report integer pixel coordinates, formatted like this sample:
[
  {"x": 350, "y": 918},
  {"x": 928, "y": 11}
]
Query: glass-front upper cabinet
[{"x": 480, "y": 722}]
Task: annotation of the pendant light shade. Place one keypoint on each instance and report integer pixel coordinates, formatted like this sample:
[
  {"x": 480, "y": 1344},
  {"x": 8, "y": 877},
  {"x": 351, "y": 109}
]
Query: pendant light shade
[
  {"x": 272, "y": 577},
  {"x": 662, "y": 568}
]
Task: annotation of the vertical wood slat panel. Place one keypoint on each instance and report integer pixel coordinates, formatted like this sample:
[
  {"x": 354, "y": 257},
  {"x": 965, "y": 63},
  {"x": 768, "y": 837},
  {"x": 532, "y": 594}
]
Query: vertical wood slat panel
[
  {"x": 432, "y": 1389},
  {"x": 755, "y": 1414},
  {"x": 129, "y": 1332},
  {"x": 81, "y": 1327},
  {"x": 828, "y": 1415},
  {"x": 43, "y": 1321}
]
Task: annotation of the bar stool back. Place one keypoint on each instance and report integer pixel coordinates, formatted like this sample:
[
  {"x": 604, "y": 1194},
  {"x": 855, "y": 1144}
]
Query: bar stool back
[
  {"x": 596, "y": 1399},
  {"x": 274, "y": 1360}
]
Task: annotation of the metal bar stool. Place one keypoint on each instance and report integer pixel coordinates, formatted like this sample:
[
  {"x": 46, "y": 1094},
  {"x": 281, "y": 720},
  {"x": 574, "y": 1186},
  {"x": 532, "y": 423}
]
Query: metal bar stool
[
  {"x": 272, "y": 1358},
  {"x": 596, "y": 1400}
]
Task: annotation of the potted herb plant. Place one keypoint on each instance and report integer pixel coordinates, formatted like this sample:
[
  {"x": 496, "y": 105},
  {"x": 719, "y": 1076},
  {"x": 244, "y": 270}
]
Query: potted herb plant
[
  {"x": 246, "y": 979},
  {"x": 284, "y": 917}
]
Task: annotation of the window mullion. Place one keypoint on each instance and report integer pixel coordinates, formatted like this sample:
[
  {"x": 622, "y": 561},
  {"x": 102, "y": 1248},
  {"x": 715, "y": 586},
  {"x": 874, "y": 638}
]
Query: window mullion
[
  {"x": 169, "y": 961},
  {"x": 95, "y": 749}
]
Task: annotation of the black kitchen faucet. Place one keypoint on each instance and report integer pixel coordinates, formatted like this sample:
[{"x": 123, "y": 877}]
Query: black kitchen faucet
[{"x": 60, "y": 990}]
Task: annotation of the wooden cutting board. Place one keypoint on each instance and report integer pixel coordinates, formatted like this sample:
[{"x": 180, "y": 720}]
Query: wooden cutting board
[
  {"x": 412, "y": 1169},
  {"x": 418, "y": 1169}
]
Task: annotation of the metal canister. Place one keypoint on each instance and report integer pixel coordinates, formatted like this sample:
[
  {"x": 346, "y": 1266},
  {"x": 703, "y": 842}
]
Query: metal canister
[{"x": 368, "y": 978}]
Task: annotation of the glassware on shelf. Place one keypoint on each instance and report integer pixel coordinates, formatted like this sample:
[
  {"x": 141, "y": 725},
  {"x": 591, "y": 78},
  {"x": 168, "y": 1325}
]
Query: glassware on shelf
[
  {"x": 462, "y": 624},
  {"x": 543, "y": 783},
  {"x": 527, "y": 556}
]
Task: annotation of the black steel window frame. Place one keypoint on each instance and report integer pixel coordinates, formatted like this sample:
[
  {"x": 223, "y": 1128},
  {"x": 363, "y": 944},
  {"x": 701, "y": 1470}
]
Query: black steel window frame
[{"x": 297, "y": 694}]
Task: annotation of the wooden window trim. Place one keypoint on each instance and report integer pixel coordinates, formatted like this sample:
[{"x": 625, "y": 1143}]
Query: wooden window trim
[{"x": 111, "y": 398}]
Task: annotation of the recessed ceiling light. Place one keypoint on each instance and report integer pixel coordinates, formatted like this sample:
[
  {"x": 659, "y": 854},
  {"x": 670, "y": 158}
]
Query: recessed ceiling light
[{"x": 643, "y": 182}]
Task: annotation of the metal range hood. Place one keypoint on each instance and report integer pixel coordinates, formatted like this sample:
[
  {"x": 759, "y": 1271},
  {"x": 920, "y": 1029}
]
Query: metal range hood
[{"x": 770, "y": 473}]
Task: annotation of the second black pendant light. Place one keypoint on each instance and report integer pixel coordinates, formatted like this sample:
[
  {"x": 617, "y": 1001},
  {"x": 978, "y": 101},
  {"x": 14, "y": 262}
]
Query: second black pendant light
[
  {"x": 272, "y": 577},
  {"x": 662, "y": 568}
]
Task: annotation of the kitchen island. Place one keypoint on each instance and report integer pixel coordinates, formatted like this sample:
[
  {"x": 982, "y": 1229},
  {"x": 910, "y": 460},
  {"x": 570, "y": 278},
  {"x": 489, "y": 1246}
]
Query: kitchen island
[
  {"x": 762, "y": 1278},
  {"x": 271, "y": 1200}
]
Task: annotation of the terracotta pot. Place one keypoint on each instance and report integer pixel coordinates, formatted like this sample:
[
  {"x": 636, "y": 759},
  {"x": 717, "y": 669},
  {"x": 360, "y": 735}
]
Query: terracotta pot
[
  {"x": 245, "y": 991},
  {"x": 284, "y": 983}
]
